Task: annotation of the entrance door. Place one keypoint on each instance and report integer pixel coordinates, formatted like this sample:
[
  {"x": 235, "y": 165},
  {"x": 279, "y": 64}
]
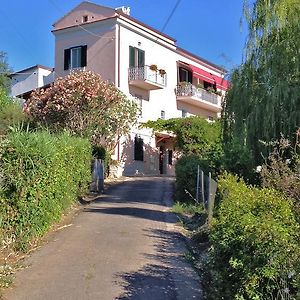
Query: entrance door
[{"x": 161, "y": 159}]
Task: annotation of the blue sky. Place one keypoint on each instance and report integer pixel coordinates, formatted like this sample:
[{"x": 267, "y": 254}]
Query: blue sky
[{"x": 208, "y": 28}]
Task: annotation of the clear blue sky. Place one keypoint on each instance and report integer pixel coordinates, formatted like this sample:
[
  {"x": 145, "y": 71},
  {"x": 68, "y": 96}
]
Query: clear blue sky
[{"x": 208, "y": 28}]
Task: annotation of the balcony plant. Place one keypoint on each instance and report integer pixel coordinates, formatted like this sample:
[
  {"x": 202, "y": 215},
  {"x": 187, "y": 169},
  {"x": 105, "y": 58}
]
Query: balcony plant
[
  {"x": 153, "y": 67},
  {"x": 162, "y": 72}
]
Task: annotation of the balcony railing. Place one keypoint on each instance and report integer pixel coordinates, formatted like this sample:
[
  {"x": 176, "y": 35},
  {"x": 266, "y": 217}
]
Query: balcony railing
[
  {"x": 199, "y": 96},
  {"x": 146, "y": 78}
]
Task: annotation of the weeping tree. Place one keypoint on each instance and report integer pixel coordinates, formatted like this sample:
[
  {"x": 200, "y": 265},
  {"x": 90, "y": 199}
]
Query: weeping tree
[{"x": 263, "y": 101}]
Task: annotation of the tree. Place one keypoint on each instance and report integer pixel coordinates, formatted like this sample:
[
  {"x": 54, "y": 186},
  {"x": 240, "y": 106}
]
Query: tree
[
  {"x": 85, "y": 105},
  {"x": 195, "y": 137},
  {"x": 263, "y": 101},
  {"x": 4, "y": 72}
]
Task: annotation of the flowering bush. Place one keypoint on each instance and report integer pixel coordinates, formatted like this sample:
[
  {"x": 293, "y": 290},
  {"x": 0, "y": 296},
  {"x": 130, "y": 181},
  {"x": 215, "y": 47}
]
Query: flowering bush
[{"x": 85, "y": 105}]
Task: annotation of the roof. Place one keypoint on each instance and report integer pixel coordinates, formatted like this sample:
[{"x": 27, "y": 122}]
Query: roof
[{"x": 33, "y": 67}]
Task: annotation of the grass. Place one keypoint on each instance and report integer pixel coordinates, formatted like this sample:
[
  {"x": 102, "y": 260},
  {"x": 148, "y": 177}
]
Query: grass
[{"x": 187, "y": 208}]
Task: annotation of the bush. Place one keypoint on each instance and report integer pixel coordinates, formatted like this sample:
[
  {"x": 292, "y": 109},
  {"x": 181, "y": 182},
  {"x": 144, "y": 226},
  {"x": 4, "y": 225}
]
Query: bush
[
  {"x": 186, "y": 177},
  {"x": 41, "y": 175},
  {"x": 11, "y": 113},
  {"x": 255, "y": 244}
]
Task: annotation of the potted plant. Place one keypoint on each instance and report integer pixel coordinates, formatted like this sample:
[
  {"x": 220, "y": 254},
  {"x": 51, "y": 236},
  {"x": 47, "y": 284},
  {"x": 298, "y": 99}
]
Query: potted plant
[
  {"x": 162, "y": 72},
  {"x": 153, "y": 67}
]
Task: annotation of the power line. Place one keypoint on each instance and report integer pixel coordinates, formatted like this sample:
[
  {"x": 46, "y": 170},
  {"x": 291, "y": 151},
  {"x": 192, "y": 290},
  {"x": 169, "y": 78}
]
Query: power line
[{"x": 171, "y": 15}]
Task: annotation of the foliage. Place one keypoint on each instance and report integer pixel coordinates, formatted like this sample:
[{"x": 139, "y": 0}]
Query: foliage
[
  {"x": 187, "y": 208},
  {"x": 41, "y": 175},
  {"x": 4, "y": 72},
  {"x": 255, "y": 244},
  {"x": 186, "y": 177},
  {"x": 281, "y": 170},
  {"x": 263, "y": 99},
  {"x": 85, "y": 105},
  {"x": 194, "y": 135},
  {"x": 11, "y": 113}
]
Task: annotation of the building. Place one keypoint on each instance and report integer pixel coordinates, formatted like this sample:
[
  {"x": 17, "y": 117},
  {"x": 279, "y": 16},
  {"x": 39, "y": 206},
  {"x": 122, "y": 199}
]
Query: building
[
  {"x": 29, "y": 79},
  {"x": 166, "y": 80}
]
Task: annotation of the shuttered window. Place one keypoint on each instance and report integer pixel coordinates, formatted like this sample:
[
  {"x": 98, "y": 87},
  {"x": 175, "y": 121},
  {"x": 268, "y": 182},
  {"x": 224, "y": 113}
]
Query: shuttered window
[{"x": 75, "y": 57}]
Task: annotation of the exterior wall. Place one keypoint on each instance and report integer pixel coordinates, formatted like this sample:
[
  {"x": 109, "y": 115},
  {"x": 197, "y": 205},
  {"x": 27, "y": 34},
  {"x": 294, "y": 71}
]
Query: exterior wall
[
  {"x": 94, "y": 13},
  {"x": 100, "y": 41}
]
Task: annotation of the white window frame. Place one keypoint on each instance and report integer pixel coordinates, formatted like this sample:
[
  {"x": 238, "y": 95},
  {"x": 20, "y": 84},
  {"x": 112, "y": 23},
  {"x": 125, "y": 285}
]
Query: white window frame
[{"x": 77, "y": 63}]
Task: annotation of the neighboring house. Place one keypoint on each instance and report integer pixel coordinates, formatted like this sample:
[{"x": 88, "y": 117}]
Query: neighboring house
[
  {"x": 166, "y": 80},
  {"x": 25, "y": 81}
]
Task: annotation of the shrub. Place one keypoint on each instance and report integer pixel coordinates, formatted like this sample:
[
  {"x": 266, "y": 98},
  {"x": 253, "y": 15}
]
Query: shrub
[
  {"x": 41, "y": 175},
  {"x": 255, "y": 244},
  {"x": 11, "y": 113},
  {"x": 186, "y": 177}
]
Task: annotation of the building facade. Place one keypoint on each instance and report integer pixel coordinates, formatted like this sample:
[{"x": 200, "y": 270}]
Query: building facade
[
  {"x": 167, "y": 81},
  {"x": 25, "y": 81}
]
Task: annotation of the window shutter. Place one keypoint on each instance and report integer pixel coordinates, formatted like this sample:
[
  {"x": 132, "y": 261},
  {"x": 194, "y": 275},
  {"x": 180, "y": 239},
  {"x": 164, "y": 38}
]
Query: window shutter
[
  {"x": 131, "y": 56},
  {"x": 141, "y": 58},
  {"x": 83, "y": 56},
  {"x": 67, "y": 57}
]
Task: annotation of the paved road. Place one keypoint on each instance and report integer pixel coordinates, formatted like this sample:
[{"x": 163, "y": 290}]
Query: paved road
[{"x": 126, "y": 245}]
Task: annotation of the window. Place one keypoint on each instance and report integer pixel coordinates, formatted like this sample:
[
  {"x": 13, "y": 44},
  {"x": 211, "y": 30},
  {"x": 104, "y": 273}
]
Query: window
[
  {"x": 138, "y": 148},
  {"x": 162, "y": 114},
  {"x": 75, "y": 57},
  {"x": 210, "y": 118},
  {"x": 136, "y": 57},
  {"x": 170, "y": 157},
  {"x": 183, "y": 113},
  {"x": 185, "y": 75},
  {"x": 85, "y": 19}
]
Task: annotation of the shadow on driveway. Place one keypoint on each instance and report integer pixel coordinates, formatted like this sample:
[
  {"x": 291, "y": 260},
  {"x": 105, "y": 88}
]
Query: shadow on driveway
[
  {"x": 135, "y": 212},
  {"x": 169, "y": 279}
]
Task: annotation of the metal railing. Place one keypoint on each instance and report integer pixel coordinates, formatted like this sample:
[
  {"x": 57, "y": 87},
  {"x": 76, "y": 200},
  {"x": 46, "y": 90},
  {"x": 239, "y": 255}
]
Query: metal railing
[
  {"x": 189, "y": 90},
  {"x": 145, "y": 73}
]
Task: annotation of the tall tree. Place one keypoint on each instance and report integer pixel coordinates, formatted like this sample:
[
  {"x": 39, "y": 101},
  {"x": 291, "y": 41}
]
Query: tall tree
[
  {"x": 264, "y": 98},
  {"x": 4, "y": 72}
]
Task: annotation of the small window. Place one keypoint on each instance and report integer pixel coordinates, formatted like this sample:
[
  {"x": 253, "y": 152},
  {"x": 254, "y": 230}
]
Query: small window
[
  {"x": 162, "y": 114},
  {"x": 85, "y": 19},
  {"x": 210, "y": 118},
  {"x": 170, "y": 157},
  {"x": 138, "y": 148},
  {"x": 183, "y": 113},
  {"x": 75, "y": 57},
  {"x": 185, "y": 75}
]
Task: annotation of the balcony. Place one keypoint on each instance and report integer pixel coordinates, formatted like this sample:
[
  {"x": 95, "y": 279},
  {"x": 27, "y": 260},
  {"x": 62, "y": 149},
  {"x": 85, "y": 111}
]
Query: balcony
[
  {"x": 199, "y": 97},
  {"x": 147, "y": 79}
]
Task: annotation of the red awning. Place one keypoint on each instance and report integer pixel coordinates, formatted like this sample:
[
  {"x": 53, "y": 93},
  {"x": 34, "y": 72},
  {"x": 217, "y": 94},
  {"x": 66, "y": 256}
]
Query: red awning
[{"x": 220, "y": 82}]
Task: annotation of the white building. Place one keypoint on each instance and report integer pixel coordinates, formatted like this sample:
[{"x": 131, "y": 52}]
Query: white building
[
  {"x": 24, "y": 81},
  {"x": 145, "y": 63}
]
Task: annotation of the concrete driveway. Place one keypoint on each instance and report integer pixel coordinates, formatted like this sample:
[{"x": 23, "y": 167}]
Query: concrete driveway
[{"x": 125, "y": 245}]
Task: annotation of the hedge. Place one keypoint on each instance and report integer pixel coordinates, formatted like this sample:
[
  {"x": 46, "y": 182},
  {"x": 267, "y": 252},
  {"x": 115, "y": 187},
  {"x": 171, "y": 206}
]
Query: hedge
[
  {"x": 41, "y": 175},
  {"x": 255, "y": 244}
]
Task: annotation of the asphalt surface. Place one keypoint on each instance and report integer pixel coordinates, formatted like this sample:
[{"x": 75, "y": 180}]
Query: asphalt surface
[{"x": 125, "y": 245}]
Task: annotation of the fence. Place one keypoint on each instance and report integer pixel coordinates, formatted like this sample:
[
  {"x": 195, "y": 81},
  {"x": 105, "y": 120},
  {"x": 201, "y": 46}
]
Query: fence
[
  {"x": 97, "y": 184},
  {"x": 206, "y": 192}
]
